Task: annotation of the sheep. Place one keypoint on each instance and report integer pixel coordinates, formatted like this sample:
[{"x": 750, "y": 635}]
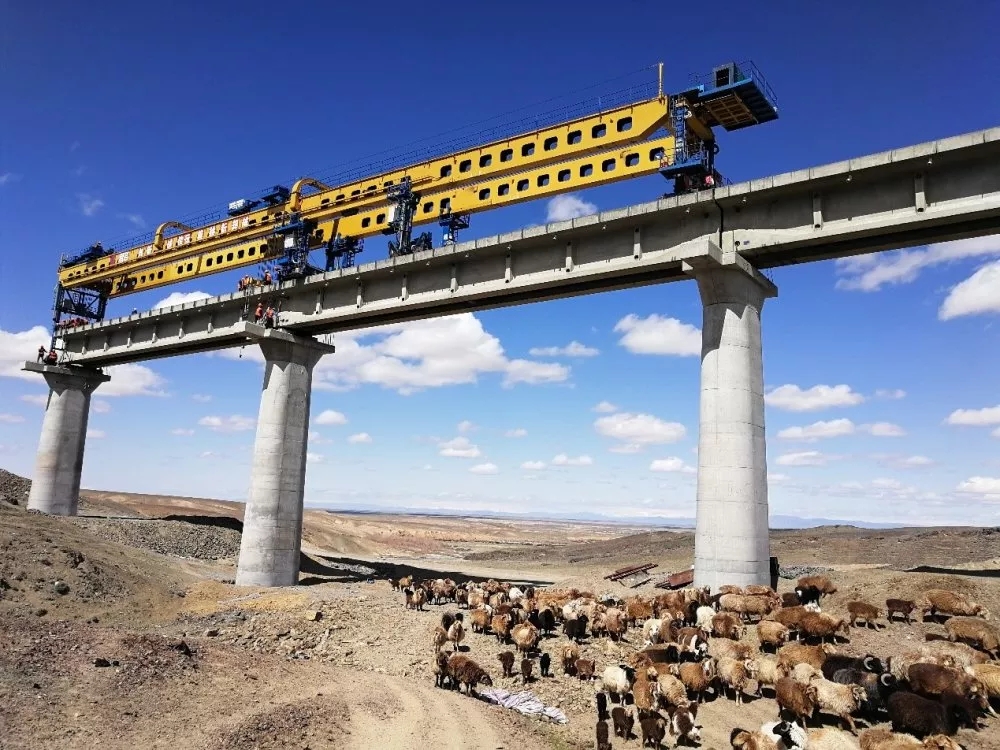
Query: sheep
[
  {"x": 506, "y": 659},
  {"x": 501, "y": 626},
  {"x": 735, "y": 674},
  {"x": 756, "y": 589},
  {"x": 937, "y": 681},
  {"x": 525, "y": 671},
  {"x": 544, "y": 661},
  {"x": 601, "y": 734},
  {"x": 653, "y": 730},
  {"x": 899, "y": 606},
  {"x": 440, "y": 669},
  {"x": 727, "y": 625},
  {"x": 789, "y": 616},
  {"x": 405, "y": 582},
  {"x": 439, "y": 638},
  {"x": 585, "y": 669},
  {"x": 746, "y": 606},
  {"x": 614, "y": 624},
  {"x": 921, "y": 716},
  {"x": 568, "y": 655},
  {"x": 417, "y": 598},
  {"x": 575, "y": 628},
  {"x": 878, "y": 687},
  {"x": 804, "y": 673},
  {"x": 623, "y": 721},
  {"x": 867, "y": 663},
  {"x": 989, "y": 677},
  {"x": 821, "y": 625},
  {"x": 744, "y": 739},
  {"x": 703, "y": 617},
  {"x": 883, "y": 739},
  {"x": 785, "y": 734},
  {"x": 859, "y": 610},
  {"x": 464, "y": 671},
  {"x": 808, "y": 594},
  {"x": 698, "y": 677},
  {"x": 823, "y": 583},
  {"x": 617, "y": 680},
  {"x": 838, "y": 700},
  {"x": 942, "y": 601},
  {"x": 975, "y": 631},
  {"x": 656, "y": 630},
  {"x": 638, "y": 608},
  {"x": 692, "y": 641},
  {"x": 795, "y": 653},
  {"x": 670, "y": 690},
  {"x": 722, "y": 647},
  {"x": 479, "y": 620},
  {"x": 831, "y": 739},
  {"x": 456, "y": 632},
  {"x": 790, "y": 599},
  {"x": 771, "y": 633},
  {"x": 768, "y": 671},
  {"x": 729, "y": 589},
  {"x": 546, "y": 620},
  {"x": 525, "y": 637},
  {"x": 959, "y": 654},
  {"x": 462, "y": 598},
  {"x": 601, "y": 700},
  {"x": 797, "y": 699},
  {"x": 682, "y": 724}
]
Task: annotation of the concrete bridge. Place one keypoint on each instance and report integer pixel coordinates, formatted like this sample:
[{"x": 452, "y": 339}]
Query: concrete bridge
[{"x": 931, "y": 192}]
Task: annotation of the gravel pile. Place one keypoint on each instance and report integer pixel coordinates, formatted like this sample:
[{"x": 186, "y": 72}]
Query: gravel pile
[
  {"x": 166, "y": 537},
  {"x": 797, "y": 571},
  {"x": 14, "y": 489}
]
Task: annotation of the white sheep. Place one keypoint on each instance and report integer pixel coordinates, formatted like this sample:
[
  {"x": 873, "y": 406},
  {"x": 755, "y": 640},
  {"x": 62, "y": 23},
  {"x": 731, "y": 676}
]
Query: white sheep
[
  {"x": 618, "y": 681},
  {"x": 838, "y": 700},
  {"x": 793, "y": 736},
  {"x": 703, "y": 617}
]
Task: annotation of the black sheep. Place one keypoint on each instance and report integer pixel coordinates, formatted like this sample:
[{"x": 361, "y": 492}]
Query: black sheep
[
  {"x": 920, "y": 716},
  {"x": 808, "y": 594},
  {"x": 602, "y": 706},
  {"x": 836, "y": 662},
  {"x": 548, "y": 621},
  {"x": 602, "y": 736},
  {"x": 543, "y": 662},
  {"x": 878, "y": 686}
]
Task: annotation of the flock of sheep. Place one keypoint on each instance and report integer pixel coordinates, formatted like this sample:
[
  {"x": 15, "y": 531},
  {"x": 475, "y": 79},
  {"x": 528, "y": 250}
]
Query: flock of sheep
[{"x": 694, "y": 643}]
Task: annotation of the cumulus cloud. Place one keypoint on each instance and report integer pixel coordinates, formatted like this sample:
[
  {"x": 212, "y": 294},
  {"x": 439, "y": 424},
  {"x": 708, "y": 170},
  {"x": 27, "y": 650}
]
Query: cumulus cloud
[
  {"x": 565, "y": 207},
  {"x": 563, "y": 460},
  {"x": 460, "y": 447},
  {"x": 361, "y": 437},
  {"x": 89, "y": 205},
  {"x": 884, "y": 429},
  {"x": 978, "y": 294},
  {"x": 100, "y": 407},
  {"x": 869, "y": 273},
  {"x": 465, "y": 426},
  {"x": 672, "y": 464},
  {"x": 792, "y": 398},
  {"x": 658, "y": 335},
  {"x": 180, "y": 298},
  {"x": 605, "y": 407},
  {"x": 987, "y": 487},
  {"x": 37, "y": 399},
  {"x": 233, "y": 423},
  {"x": 533, "y": 465},
  {"x": 486, "y": 468},
  {"x": 182, "y": 432},
  {"x": 640, "y": 429},
  {"x": 330, "y": 417},
  {"x": 517, "y": 432},
  {"x": 572, "y": 349},
  {"x": 626, "y": 448},
  {"x": 132, "y": 380},
  {"x": 96, "y": 434},
  {"x": 15, "y": 348},
  {"x": 903, "y": 462},
  {"x": 11, "y": 418},
  {"x": 985, "y": 417},
  {"x": 533, "y": 373},
  {"x": 804, "y": 458},
  {"x": 818, "y": 431},
  {"x": 890, "y": 393}
]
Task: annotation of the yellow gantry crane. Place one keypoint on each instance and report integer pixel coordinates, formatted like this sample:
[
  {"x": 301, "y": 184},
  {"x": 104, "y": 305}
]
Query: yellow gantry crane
[{"x": 669, "y": 134}]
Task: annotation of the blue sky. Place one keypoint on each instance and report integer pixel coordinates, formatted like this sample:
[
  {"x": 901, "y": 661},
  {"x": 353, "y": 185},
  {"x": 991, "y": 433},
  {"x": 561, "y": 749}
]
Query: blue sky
[{"x": 883, "y": 397}]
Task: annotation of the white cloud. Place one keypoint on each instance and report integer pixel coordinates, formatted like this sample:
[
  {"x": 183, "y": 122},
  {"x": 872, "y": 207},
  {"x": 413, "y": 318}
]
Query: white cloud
[
  {"x": 465, "y": 426},
  {"x": 132, "y": 380},
  {"x": 96, "y": 434},
  {"x": 656, "y": 335},
  {"x": 905, "y": 462},
  {"x": 563, "y": 460},
  {"x": 329, "y": 417},
  {"x": 572, "y": 349},
  {"x": 818, "y": 430},
  {"x": 182, "y": 432},
  {"x": 486, "y": 468},
  {"x": 884, "y": 429},
  {"x": 988, "y": 487},
  {"x": 100, "y": 407},
  {"x": 893, "y": 393},
  {"x": 985, "y": 417},
  {"x": 978, "y": 294},
  {"x": 233, "y": 423},
  {"x": 314, "y": 458},
  {"x": 792, "y": 398},
  {"x": 533, "y": 465},
  {"x": 804, "y": 458},
  {"x": 533, "y": 373},
  {"x": 209, "y": 454},
  {"x": 517, "y": 432},
  {"x": 643, "y": 429},
  {"x": 180, "y": 298},
  {"x": 15, "y": 348},
  {"x": 7, "y": 177},
  {"x": 361, "y": 437},
  {"x": 565, "y": 207},
  {"x": 460, "y": 447},
  {"x": 996, "y": 433},
  {"x": 134, "y": 219},
  {"x": 869, "y": 273},
  {"x": 89, "y": 205},
  {"x": 605, "y": 407},
  {"x": 37, "y": 399},
  {"x": 626, "y": 448},
  {"x": 672, "y": 464},
  {"x": 201, "y": 398},
  {"x": 776, "y": 478},
  {"x": 11, "y": 418}
]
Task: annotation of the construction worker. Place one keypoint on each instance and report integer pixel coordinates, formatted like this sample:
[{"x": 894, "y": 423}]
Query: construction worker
[
  {"x": 51, "y": 358},
  {"x": 41, "y": 353},
  {"x": 267, "y": 277},
  {"x": 258, "y": 313},
  {"x": 269, "y": 317}
]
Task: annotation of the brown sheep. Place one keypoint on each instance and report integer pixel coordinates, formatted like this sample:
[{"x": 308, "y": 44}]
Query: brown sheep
[
  {"x": 568, "y": 655},
  {"x": 798, "y": 699},
  {"x": 670, "y": 690},
  {"x": 462, "y": 598},
  {"x": 653, "y": 730},
  {"x": 637, "y": 609},
  {"x": 975, "y": 631},
  {"x": 790, "y": 599},
  {"x": 525, "y": 637},
  {"x": 797, "y": 653},
  {"x": 735, "y": 674},
  {"x": 746, "y": 606},
  {"x": 755, "y": 589},
  {"x": 789, "y": 616},
  {"x": 585, "y": 669},
  {"x": 418, "y": 598},
  {"x": 440, "y": 669},
  {"x": 933, "y": 680},
  {"x": 405, "y": 582},
  {"x": 623, "y": 721},
  {"x": 884, "y": 739},
  {"x": 479, "y": 620},
  {"x": 958, "y": 654},
  {"x": 439, "y": 639},
  {"x": 719, "y": 648},
  {"x": 644, "y": 690},
  {"x": 729, "y": 589},
  {"x": 859, "y": 610},
  {"x": 821, "y": 625},
  {"x": 697, "y": 677},
  {"x": 601, "y": 736},
  {"x": 501, "y": 625},
  {"x": 506, "y": 659},
  {"x": 822, "y": 583},
  {"x": 771, "y": 633},
  {"x": 768, "y": 672},
  {"x": 464, "y": 671},
  {"x": 727, "y": 625},
  {"x": 525, "y": 671},
  {"x": 944, "y": 602},
  {"x": 899, "y": 607},
  {"x": 614, "y": 624}
]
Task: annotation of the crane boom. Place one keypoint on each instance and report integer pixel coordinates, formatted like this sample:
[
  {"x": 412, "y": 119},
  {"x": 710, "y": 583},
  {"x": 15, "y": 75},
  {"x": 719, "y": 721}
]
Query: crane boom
[{"x": 596, "y": 149}]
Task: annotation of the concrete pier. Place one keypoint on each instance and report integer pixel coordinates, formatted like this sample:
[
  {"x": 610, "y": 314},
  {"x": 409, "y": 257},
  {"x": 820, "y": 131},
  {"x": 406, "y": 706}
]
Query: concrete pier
[
  {"x": 731, "y": 540},
  {"x": 55, "y": 487},
  {"x": 272, "y": 524}
]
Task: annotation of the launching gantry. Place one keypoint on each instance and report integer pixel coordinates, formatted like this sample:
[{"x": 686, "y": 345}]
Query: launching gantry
[{"x": 669, "y": 134}]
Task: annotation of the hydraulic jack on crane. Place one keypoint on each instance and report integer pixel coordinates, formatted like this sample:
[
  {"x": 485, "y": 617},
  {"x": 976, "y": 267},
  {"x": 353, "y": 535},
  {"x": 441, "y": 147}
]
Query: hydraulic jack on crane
[{"x": 669, "y": 134}]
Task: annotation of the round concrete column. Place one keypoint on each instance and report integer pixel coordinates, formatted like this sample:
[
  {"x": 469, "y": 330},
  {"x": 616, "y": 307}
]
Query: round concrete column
[
  {"x": 272, "y": 523},
  {"x": 731, "y": 539},
  {"x": 55, "y": 487}
]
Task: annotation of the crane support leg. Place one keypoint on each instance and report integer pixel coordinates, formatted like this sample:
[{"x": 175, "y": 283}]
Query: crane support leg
[
  {"x": 731, "y": 537},
  {"x": 272, "y": 525},
  {"x": 55, "y": 488}
]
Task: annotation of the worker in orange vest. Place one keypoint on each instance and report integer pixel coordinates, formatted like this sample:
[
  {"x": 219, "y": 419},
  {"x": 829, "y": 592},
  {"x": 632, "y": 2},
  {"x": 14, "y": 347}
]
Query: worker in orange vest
[{"x": 258, "y": 313}]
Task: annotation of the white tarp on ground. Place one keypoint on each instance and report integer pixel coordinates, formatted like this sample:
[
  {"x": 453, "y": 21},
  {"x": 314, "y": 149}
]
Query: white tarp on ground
[{"x": 525, "y": 702}]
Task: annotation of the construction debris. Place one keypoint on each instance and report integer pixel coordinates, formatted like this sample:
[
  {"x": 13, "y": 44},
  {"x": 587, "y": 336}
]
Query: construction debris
[
  {"x": 632, "y": 576},
  {"x": 676, "y": 580}
]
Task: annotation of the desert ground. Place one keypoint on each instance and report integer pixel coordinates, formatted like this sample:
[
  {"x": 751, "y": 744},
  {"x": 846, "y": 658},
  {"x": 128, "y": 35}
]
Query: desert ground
[{"x": 122, "y": 627}]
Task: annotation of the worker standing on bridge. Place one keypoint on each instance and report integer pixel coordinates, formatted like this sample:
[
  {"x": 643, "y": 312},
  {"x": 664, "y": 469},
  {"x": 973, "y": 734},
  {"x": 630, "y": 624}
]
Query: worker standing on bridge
[
  {"x": 41, "y": 353},
  {"x": 258, "y": 313},
  {"x": 269, "y": 317},
  {"x": 52, "y": 357},
  {"x": 267, "y": 276}
]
